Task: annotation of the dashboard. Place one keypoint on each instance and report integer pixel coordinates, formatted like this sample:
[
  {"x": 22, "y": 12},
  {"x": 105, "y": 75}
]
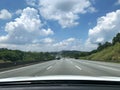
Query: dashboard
[{"x": 61, "y": 85}]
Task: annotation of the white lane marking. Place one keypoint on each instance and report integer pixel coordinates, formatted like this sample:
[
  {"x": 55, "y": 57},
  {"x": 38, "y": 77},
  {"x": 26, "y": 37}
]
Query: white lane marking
[
  {"x": 78, "y": 67},
  {"x": 49, "y": 67},
  {"x": 24, "y": 67},
  {"x": 14, "y": 69},
  {"x": 108, "y": 68},
  {"x": 102, "y": 66}
]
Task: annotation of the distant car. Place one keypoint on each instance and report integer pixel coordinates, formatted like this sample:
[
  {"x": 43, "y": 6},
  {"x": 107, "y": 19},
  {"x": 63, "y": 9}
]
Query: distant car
[
  {"x": 58, "y": 58},
  {"x": 76, "y": 57}
]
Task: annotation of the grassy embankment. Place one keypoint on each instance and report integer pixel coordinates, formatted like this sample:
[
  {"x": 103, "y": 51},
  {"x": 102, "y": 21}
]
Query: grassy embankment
[{"x": 111, "y": 53}]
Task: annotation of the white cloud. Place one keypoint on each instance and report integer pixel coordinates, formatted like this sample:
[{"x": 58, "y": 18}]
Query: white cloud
[
  {"x": 88, "y": 46},
  {"x": 48, "y": 40},
  {"x": 43, "y": 41},
  {"x": 46, "y": 44},
  {"x": 66, "y": 12},
  {"x": 18, "y": 12},
  {"x": 45, "y": 32},
  {"x": 5, "y": 14},
  {"x": 25, "y": 29},
  {"x": 72, "y": 44},
  {"x": 31, "y": 2},
  {"x": 49, "y": 44},
  {"x": 107, "y": 27},
  {"x": 66, "y": 44}
]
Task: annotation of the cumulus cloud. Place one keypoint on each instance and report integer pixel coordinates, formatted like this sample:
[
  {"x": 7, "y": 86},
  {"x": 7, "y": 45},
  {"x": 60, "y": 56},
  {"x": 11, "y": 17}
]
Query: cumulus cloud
[
  {"x": 66, "y": 12},
  {"x": 49, "y": 44},
  {"x": 48, "y": 40},
  {"x": 64, "y": 42},
  {"x": 5, "y": 14},
  {"x": 74, "y": 44},
  {"x": 45, "y": 32},
  {"x": 43, "y": 41},
  {"x": 45, "y": 44},
  {"x": 107, "y": 27},
  {"x": 18, "y": 12},
  {"x": 70, "y": 44},
  {"x": 25, "y": 29},
  {"x": 31, "y": 2}
]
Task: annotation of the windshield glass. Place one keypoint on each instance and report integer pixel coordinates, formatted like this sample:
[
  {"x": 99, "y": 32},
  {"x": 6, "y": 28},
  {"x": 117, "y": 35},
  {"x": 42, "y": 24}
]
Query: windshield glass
[{"x": 59, "y": 37}]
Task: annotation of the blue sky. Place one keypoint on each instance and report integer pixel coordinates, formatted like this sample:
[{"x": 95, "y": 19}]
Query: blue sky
[{"x": 41, "y": 25}]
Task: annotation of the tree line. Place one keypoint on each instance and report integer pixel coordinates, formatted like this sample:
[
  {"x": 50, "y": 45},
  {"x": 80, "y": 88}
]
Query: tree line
[
  {"x": 21, "y": 56},
  {"x": 115, "y": 40},
  {"x": 74, "y": 54}
]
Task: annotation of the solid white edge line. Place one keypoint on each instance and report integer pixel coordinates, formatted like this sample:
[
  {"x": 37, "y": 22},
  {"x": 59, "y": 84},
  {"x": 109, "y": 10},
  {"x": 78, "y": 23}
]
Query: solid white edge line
[{"x": 110, "y": 68}]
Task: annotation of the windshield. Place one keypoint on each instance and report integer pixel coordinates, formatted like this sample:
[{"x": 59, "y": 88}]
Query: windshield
[{"x": 59, "y": 37}]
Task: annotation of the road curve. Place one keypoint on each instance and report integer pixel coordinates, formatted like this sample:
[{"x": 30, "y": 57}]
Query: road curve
[{"x": 66, "y": 67}]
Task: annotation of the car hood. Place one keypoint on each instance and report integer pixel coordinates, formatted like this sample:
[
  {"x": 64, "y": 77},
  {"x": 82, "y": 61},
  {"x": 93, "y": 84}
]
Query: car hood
[{"x": 60, "y": 77}]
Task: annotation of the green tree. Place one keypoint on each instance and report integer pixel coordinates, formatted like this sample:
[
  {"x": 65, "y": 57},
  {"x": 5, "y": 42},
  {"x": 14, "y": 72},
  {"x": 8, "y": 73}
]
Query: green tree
[{"x": 116, "y": 39}]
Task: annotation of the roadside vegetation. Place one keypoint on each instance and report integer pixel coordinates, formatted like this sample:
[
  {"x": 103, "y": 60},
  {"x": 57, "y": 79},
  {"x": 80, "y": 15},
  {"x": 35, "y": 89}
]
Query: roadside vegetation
[
  {"x": 15, "y": 56},
  {"x": 74, "y": 54},
  {"x": 111, "y": 53}
]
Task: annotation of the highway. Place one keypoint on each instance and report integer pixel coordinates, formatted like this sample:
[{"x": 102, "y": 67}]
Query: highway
[{"x": 65, "y": 67}]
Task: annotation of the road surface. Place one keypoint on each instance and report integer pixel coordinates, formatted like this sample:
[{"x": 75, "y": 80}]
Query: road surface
[{"x": 66, "y": 67}]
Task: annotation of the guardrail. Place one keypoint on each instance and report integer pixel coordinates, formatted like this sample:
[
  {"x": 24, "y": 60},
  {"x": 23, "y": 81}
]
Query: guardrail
[{"x": 7, "y": 65}]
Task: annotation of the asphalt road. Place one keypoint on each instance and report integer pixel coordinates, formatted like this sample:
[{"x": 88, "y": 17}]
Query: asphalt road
[{"x": 66, "y": 67}]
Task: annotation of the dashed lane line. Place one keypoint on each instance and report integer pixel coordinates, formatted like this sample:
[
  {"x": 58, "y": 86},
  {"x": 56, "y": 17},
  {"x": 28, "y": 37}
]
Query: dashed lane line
[
  {"x": 78, "y": 67},
  {"x": 49, "y": 67}
]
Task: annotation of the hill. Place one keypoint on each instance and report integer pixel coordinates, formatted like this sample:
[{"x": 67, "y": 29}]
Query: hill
[
  {"x": 73, "y": 54},
  {"x": 111, "y": 53}
]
